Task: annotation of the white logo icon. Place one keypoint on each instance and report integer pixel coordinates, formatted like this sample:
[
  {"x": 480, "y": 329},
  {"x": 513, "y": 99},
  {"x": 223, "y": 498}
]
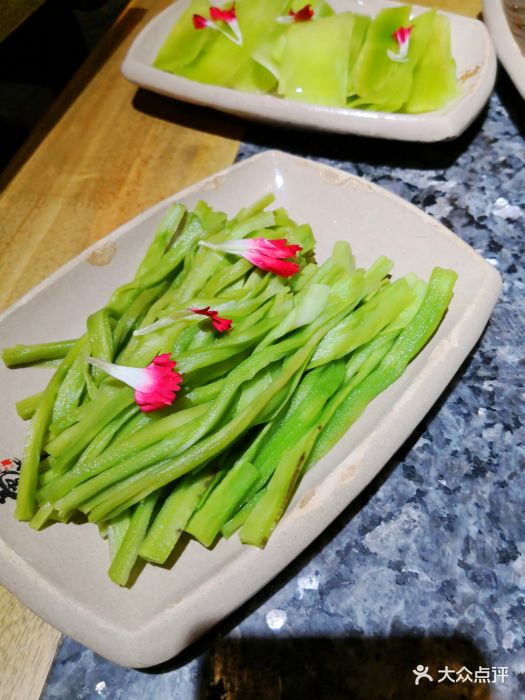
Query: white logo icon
[{"x": 420, "y": 672}]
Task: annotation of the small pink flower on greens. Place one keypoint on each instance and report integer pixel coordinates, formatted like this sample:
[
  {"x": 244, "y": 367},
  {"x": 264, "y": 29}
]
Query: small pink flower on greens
[
  {"x": 267, "y": 254},
  {"x": 220, "y": 324},
  {"x": 305, "y": 14},
  {"x": 217, "y": 14},
  {"x": 402, "y": 36},
  {"x": 199, "y": 22},
  {"x": 155, "y": 385}
]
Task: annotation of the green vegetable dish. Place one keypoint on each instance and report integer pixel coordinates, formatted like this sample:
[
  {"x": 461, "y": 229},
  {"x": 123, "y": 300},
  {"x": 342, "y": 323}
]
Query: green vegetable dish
[
  {"x": 389, "y": 63},
  {"x": 201, "y": 393}
]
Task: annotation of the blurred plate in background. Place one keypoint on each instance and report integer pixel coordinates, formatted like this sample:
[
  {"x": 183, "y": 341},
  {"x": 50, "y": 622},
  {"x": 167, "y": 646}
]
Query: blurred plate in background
[
  {"x": 471, "y": 48},
  {"x": 507, "y": 48}
]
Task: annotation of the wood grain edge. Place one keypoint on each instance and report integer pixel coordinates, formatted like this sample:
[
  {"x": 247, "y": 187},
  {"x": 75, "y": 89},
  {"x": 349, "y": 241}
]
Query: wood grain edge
[
  {"x": 468, "y": 8},
  {"x": 27, "y": 648}
]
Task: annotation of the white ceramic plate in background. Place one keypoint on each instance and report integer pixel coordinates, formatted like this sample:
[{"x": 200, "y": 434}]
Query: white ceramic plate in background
[
  {"x": 471, "y": 47},
  {"x": 506, "y": 45},
  {"x": 60, "y": 572}
]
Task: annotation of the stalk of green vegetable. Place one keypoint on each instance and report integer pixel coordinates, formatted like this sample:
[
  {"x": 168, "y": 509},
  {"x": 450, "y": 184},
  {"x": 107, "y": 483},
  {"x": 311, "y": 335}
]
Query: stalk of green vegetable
[
  {"x": 198, "y": 453},
  {"x": 139, "y": 443},
  {"x": 364, "y": 323},
  {"x": 108, "y": 434},
  {"x": 25, "y": 502},
  {"x": 69, "y": 394},
  {"x": 347, "y": 408},
  {"x": 269, "y": 508},
  {"x": 222, "y": 504},
  {"x": 135, "y": 313},
  {"x": 116, "y": 531},
  {"x": 28, "y": 354},
  {"x": 240, "y": 517},
  {"x": 174, "y": 516},
  {"x": 361, "y": 363},
  {"x": 87, "y": 430},
  {"x": 42, "y": 516},
  {"x": 100, "y": 339},
  {"x": 247, "y": 478},
  {"x": 127, "y": 553},
  {"x": 26, "y": 407}
]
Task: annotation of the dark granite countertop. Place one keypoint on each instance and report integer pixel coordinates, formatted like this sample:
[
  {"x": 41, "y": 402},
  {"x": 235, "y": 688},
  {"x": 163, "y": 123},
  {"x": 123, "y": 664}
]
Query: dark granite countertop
[{"x": 427, "y": 566}]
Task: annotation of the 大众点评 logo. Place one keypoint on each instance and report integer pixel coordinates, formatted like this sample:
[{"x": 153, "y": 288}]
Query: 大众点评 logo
[
  {"x": 9, "y": 476},
  {"x": 483, "y": 674}
]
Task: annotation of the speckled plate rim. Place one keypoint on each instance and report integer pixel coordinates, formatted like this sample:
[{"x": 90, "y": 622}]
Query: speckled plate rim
[
  {"x": 472, "y": 49},
  {"x": 162, "y": 635},
  {"x": 506, "y": 46}
]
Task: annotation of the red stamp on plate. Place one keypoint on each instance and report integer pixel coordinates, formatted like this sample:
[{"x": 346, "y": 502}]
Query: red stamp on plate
[{"x": 9, "y": 476}]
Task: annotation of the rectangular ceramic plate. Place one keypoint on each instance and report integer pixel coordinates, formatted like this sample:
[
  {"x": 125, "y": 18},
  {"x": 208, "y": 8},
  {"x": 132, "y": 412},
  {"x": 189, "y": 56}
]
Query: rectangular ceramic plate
[
  {"x": 471, "y": 47},
  {"x": 61, "y": 572},
  {"x": 506, "y": 45}
]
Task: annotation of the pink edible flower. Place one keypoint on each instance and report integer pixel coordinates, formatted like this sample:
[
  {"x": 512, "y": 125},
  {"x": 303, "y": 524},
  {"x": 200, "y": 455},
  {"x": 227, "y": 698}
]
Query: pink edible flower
[
  {"x": 220, "y": 324},
  {"x": 219, "y": 15},
  {"x": 267, "y": 254},
  {"x": 199, "y": 22},
  {"x": 402, "y": 36},
  {"x": 155, "y": 385},
  {"x": 305, "y": 14}
]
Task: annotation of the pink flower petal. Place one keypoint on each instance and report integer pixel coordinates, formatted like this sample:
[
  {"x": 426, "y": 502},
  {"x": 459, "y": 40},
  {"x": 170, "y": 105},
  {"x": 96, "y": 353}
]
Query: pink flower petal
[
  {"x": 199, "y": 22},
  {"x": 276, "y": 247},
  {"x": 267, "y": 254},
  {"x": 220, "y": 324},
  {"x": 402, "y": 34},
  {"x": 219, "y": 15},
  {"x": 228, "y": 16},
  {"x": 275, "y": 265},
  {"x": 155, "y": 385},
  {"x": 164, "y": 383},
  {"x": 303, "y": 15}
]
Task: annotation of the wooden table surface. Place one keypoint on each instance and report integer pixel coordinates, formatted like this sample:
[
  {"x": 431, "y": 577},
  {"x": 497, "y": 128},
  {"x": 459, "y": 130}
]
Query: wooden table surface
[
  {"x": 103, "y": 153},
  {"x": 14, "y": 12}
]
